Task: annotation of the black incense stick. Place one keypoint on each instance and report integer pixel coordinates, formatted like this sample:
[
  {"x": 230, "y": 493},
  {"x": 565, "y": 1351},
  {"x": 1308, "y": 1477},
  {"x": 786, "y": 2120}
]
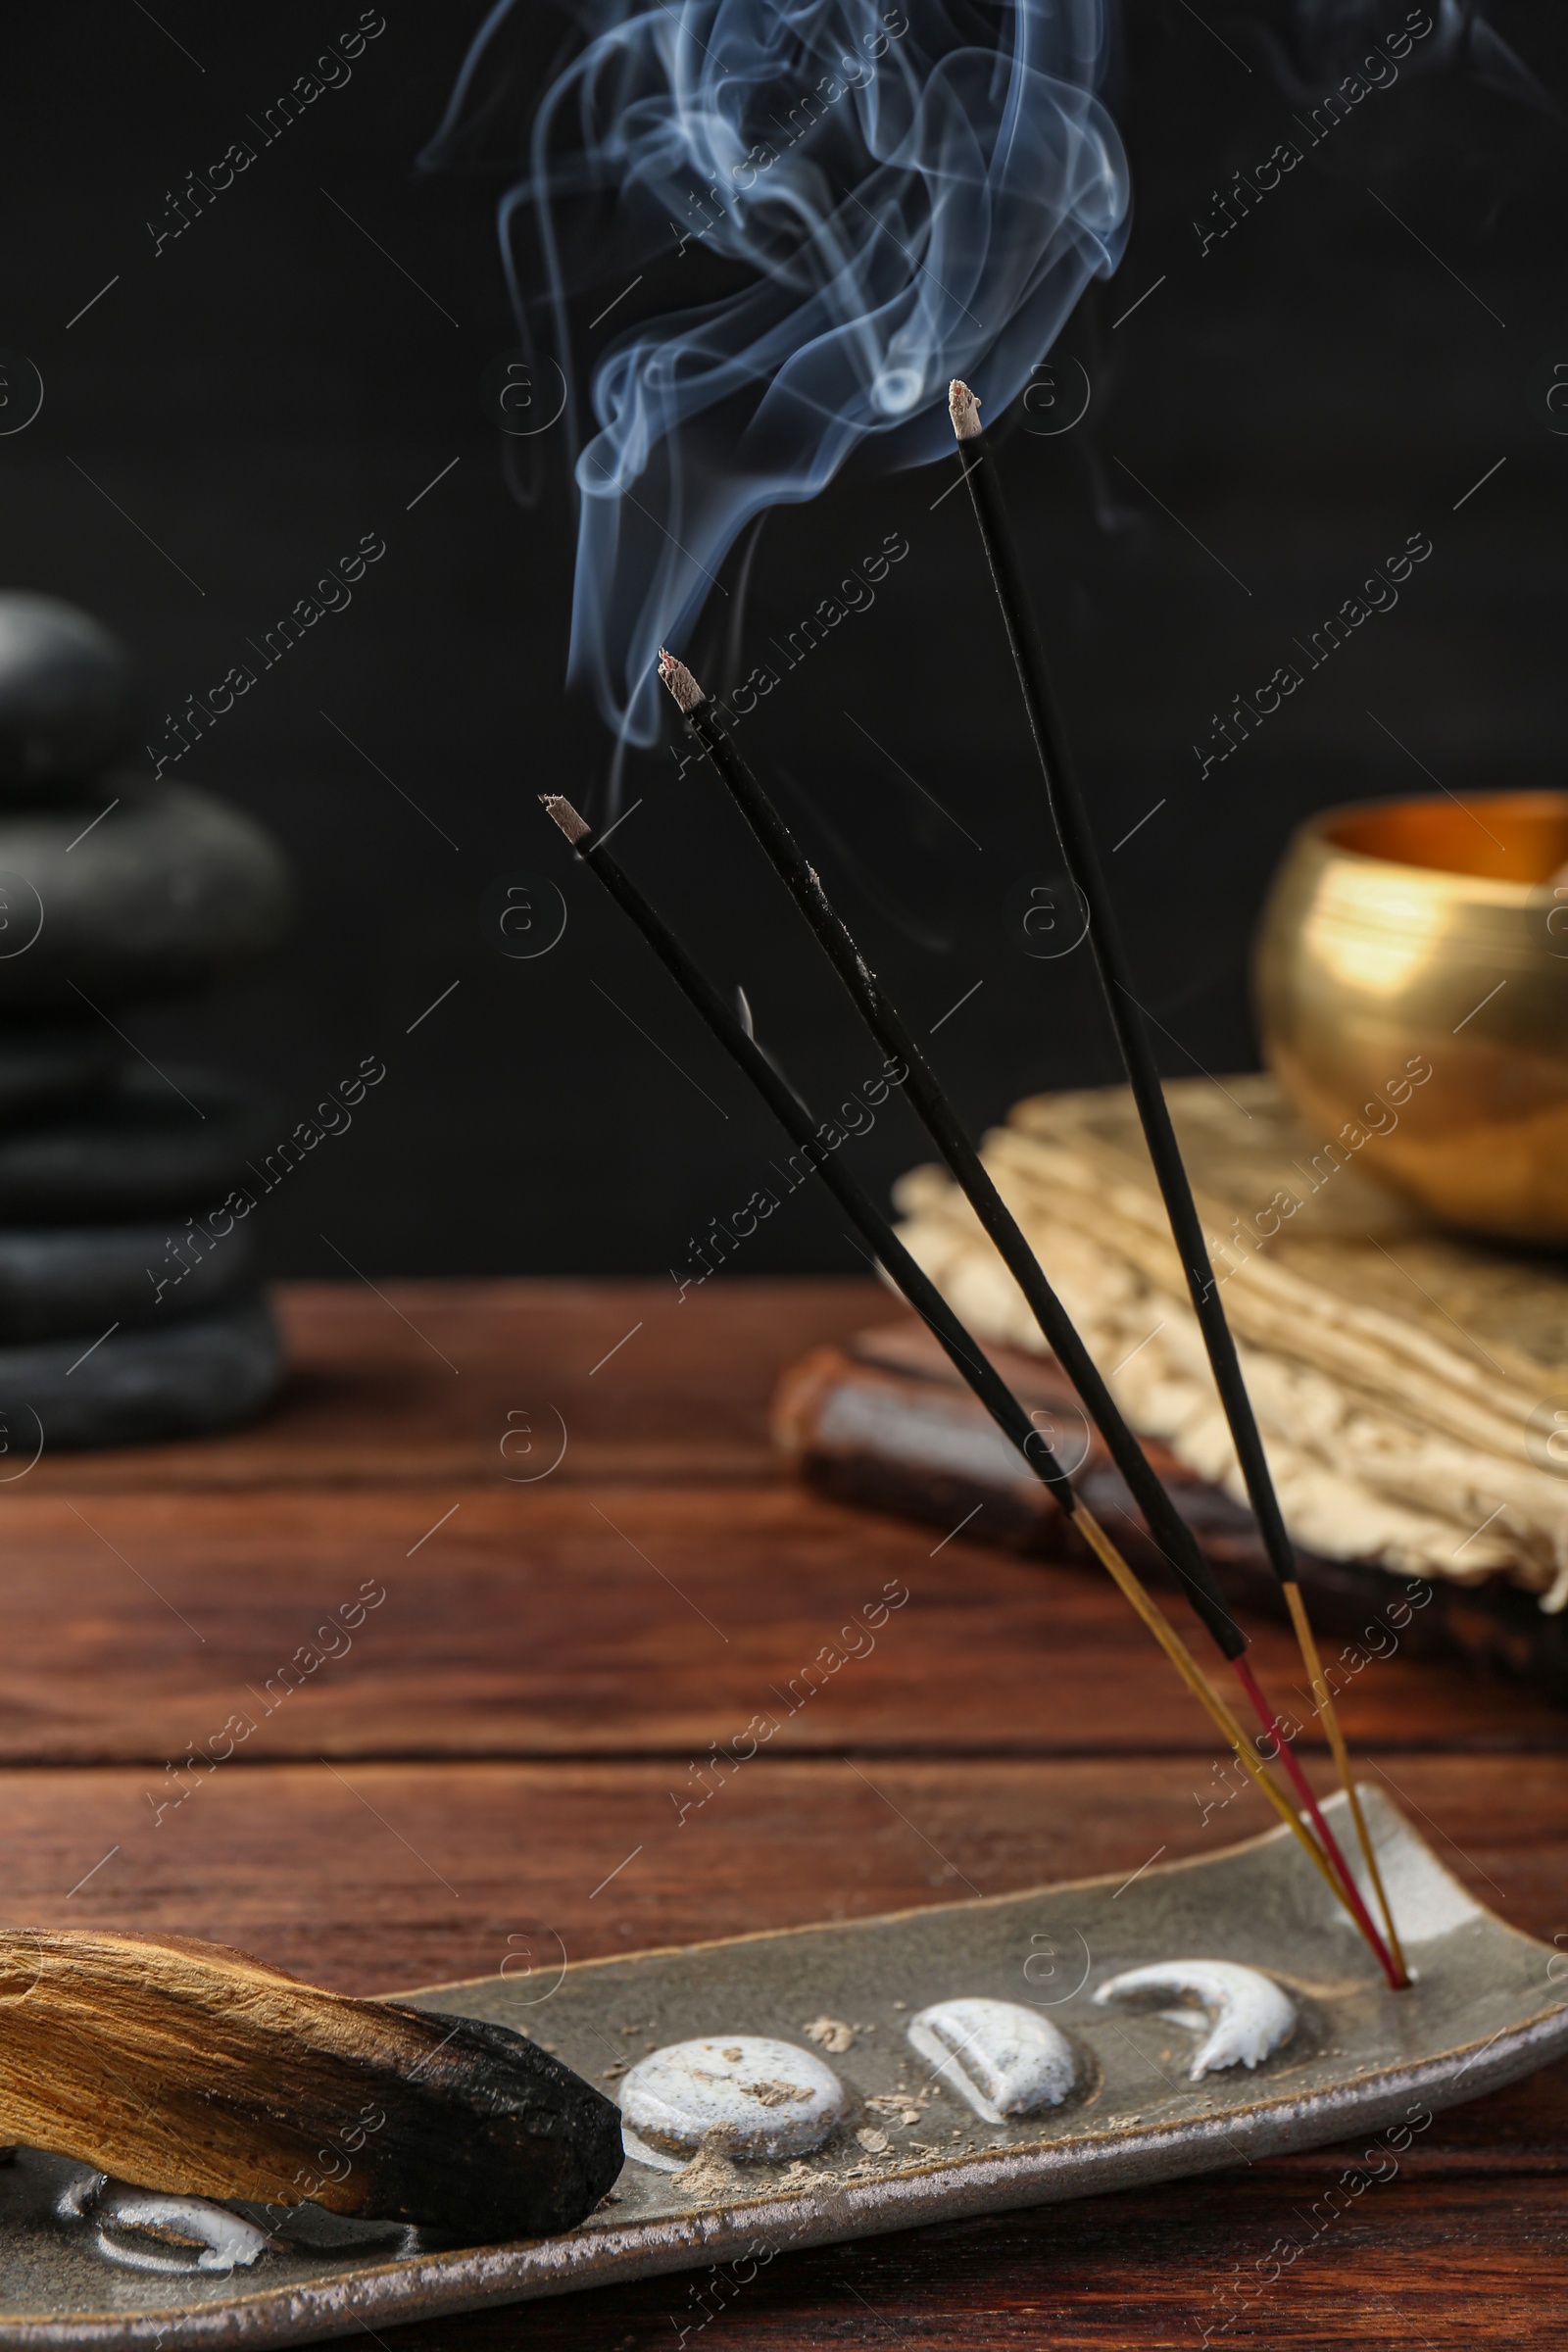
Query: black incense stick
[
  {"x": 1127, "y": 1020},
  {"x": 932, "y": 1106},
  {"x": 928, "y": 1302},
  {"x": 926, "y": 1096}
]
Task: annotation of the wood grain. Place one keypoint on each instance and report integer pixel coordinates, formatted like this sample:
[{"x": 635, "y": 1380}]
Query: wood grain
[
  {"x": 368, "y": 1876},
  {"x": 1450, "y": 2263},
  {"x": 503, "y": 1738},
  {"x": 556, "y": 1620},
  {"x": 415, "y": 1382}
]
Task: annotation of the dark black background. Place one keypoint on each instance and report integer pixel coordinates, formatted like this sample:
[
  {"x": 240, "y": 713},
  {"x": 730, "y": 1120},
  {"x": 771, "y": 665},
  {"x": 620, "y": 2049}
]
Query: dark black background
[{"x": 270, "y": 386}]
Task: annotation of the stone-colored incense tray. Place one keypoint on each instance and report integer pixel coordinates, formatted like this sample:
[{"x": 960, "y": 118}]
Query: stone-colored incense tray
[{"x": 80, "y": 2266}]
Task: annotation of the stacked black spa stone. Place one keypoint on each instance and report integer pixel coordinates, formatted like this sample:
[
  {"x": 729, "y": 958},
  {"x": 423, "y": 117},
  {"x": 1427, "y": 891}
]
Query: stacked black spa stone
[{"x": 130, "y": 1302}]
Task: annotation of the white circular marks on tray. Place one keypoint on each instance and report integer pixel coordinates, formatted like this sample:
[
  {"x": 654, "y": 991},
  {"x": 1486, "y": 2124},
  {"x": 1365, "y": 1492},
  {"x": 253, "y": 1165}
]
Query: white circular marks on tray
[
  {"x": 1000, "y": 2058},
  {"x": 740, "y": 2094},
  {"x": 1247, "y": 2014},
  {"x": 141, "y": 2230}
]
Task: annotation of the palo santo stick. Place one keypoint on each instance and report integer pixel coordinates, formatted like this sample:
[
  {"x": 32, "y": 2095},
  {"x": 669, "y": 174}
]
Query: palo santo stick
[{"x": 193, "y": 2069}]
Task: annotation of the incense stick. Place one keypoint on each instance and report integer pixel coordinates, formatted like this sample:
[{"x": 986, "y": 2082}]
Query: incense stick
[
  {"x": 967, "y": 1358},
  {"x": 941, "y": 1124},
  {"x": 931, "y": 1104},
  {"x": 1132, "y": 1037}
]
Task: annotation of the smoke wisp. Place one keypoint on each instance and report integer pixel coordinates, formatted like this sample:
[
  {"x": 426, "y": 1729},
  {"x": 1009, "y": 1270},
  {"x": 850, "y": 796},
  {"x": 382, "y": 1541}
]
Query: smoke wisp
[{"x": 888, "y": 193}]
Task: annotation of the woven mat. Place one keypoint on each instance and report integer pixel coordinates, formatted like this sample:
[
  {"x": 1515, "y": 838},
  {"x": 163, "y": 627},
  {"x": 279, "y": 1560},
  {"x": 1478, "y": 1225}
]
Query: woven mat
[{"x": 1407, "y": 1381}]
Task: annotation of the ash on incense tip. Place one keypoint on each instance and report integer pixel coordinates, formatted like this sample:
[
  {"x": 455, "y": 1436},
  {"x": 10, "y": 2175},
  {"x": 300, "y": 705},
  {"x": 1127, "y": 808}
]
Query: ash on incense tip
[
  {"x": 678, "y": 678},
  {"x": 557, "y": 806},
  {"x": 963, "y": 406}
]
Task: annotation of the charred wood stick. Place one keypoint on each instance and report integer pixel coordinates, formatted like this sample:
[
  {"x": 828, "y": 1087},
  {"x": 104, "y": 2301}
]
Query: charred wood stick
[{"x": 193, "y": 2069}]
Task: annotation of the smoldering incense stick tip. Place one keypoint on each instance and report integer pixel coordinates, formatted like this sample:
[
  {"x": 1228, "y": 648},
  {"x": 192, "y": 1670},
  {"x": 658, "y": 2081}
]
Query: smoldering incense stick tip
[
  {"x": 678, "y": 678},
  {"x": 574, "y": 826},
  {"x": 965, "y": 410}
]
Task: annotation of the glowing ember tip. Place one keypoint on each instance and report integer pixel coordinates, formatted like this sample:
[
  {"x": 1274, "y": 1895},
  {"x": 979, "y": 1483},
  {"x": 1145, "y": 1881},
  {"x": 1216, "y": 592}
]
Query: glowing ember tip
[
  {"x": 574, "y": 826},
  {"x": 965, "y": 410},
  {"x": 678, "y": 678}
]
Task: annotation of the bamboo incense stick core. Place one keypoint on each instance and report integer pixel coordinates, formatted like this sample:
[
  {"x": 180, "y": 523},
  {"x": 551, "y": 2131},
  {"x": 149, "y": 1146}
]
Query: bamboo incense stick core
[
  {"x": 1331, "y": 1724},
  {"x": 1188, "y": 1668}
]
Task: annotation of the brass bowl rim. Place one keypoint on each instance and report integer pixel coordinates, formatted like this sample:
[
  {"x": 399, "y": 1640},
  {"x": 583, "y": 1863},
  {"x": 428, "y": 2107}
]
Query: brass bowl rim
[{"x": 1315, "y": 831}]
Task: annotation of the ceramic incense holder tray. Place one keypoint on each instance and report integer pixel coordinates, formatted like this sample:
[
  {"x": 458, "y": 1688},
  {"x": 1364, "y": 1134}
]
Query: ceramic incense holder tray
[{"x": 940, "y": 2064}]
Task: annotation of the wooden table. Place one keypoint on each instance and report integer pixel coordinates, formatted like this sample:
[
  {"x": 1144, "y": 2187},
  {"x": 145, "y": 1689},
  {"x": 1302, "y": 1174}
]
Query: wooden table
[{"x": 492, "y": 1759}]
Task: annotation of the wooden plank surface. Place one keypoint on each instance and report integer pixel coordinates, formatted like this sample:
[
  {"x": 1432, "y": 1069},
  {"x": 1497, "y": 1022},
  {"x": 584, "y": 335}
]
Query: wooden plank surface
[
  {"x": 420, "y": 1382},
  {"x": 1457, "y": 2260},
  {"x": 558, "y": 1620},
  {"x": 493, "y": 1760},
  {"x": 368, "y": 1875},
  {"x": 649, "y": 1582}
]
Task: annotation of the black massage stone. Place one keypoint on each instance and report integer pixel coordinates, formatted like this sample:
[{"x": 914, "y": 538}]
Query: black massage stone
[
  {"x": 132, "y": 1388},
  {"x": 130, "y": 1194},
  {"x": 165, "y": 892},
  {"x": 57, "y": 1280},
  {"x": 46, "y": 1065},
  {"x": 68, "y": 700},
  {"x": 140, "y": 1150}
]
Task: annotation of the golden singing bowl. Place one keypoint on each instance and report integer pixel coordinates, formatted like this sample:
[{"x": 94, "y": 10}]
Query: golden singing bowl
[{"x": 1423, "y": 936}]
